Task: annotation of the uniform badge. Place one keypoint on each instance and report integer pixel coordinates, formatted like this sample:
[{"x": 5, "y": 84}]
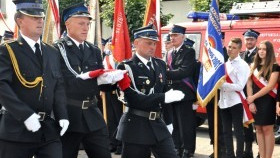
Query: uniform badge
[
  {"x": 148, "y": 82},
  {"x": 79, "y": 69},
  {"x": 69, "y": 43},
  {"x": 143, "y": 90},
  {"x": 160, "y": 78},
  {"x": 140, "y": 64}
]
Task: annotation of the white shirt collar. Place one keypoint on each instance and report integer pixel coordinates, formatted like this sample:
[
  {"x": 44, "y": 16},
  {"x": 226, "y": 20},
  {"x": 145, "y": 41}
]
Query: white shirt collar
[
  {"x": 251, "y": 50},
  {"x": 235, "y": 59},
  {"x": 178, "y": 48},
  {"x": 75, "y": 41},
  {"x": 145, "y": 61},
  {"x": 31, "y": 42}
]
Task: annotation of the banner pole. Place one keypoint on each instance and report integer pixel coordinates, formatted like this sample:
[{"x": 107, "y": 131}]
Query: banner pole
[{"x": 216, "y": 126}]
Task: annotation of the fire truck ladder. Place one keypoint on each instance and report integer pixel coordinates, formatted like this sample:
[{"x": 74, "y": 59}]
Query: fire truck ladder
[{"x": 256, "y": 8}]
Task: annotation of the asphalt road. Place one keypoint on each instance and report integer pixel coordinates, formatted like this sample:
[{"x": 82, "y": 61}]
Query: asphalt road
[{"x": 203, "y": 147}]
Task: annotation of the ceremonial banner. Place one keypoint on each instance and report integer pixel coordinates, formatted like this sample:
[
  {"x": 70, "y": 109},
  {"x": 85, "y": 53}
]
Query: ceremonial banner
[
  {"x": 55, "y": 11},
  {"x": 120, "y": 40},
  {"x": 152, "y": 16},
  {"x": 212, "y": 71}
]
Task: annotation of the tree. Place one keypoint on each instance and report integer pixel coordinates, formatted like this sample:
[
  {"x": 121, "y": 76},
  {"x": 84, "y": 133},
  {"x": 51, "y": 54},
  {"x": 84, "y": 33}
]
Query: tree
[
  {"x": 225, "y": 5},
  {"x": 134, "y": 10}
]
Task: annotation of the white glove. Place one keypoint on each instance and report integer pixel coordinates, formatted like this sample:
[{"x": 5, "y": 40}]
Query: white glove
[
  {"x": 173, "y": 95},
  {"x": 32, "y": 123},
  {"x": 83, "y": 76},
  {"x": 194, "y": 106},
  {"x": 170, "y": 128},
  {"x": 64, "y": 125}
]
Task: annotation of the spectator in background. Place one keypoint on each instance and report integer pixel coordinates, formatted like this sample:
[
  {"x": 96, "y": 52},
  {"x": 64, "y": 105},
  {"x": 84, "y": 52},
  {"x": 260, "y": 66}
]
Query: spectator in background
[
  {"x": 261, "y": 94},
  {"x": 250, "y": 38}
]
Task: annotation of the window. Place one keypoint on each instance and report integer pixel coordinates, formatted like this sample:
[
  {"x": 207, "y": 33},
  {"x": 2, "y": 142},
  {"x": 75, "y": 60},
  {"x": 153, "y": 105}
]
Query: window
[{"x": 196, "y": 37}]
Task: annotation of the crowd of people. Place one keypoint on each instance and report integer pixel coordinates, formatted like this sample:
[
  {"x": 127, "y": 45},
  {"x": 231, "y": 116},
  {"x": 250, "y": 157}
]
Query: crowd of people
[{"x": 51, "y": 104}]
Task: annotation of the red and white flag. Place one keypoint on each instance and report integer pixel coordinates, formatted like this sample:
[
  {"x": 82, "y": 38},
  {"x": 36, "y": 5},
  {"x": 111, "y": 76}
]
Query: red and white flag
[
  {"x": 152, "y": 16},
  {"x": 54, "y": 5},
  {"x": 120, "y": 39}
]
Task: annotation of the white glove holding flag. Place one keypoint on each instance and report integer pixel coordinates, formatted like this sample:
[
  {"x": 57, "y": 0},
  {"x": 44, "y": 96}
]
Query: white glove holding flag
[
  {"x": 105, "y": 78},
  {"x": 118, "y": 75},
  {"x": 84, "y": 76},
  {"x": 173, "y": 95},
  {"x": 170, "y": 128},
  {"x": 64, "y": 125},
  {"x": 32, "y": 123}
]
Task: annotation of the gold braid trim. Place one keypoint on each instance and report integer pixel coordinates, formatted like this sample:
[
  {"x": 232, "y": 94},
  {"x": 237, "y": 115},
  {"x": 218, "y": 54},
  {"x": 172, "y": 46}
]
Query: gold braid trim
[{"x": 18, "y": 74}]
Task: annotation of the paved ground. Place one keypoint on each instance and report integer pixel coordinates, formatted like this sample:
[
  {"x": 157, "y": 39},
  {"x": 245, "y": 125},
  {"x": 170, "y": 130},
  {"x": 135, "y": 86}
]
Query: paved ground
[{"x": 203, "y": 149}]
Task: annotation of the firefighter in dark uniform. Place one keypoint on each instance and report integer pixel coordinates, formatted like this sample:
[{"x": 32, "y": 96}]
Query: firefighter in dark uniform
[
  {"x": 250, "y": 39},
  {"x": 181, "y": 70},
  {"x": 32, "y": 93},
  {"x": 141, "y": 128},
  {"x": 87, "y": 125}
]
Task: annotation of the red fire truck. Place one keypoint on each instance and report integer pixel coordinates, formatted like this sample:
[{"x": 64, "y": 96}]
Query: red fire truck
[{"x": 263, "y": 17}]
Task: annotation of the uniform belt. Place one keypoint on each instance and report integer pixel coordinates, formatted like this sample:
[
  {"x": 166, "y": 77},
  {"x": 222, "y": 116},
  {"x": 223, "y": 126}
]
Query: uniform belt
[
  {"x": 150, "y": 115},
  {"x": 43, "y": 115},
  {"x": 83, "y": 104},
  {"x": 174, "y": 82}
]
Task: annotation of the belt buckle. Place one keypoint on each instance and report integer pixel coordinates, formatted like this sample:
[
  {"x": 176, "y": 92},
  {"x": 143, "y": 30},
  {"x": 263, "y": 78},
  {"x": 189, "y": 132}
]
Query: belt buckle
[
  {"x": 84, "y": 104},
  {"x": 42, "y": 116},
  {"x": 153, "y": 116}
]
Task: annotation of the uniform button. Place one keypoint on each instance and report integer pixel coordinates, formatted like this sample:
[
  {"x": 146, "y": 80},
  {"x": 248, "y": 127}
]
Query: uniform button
[
  {"x": 86, "y": 67},
  {"x": 87, "y": 98},
  {"x": 128, "y": 120},
  {"x": 45, "y": 86}
]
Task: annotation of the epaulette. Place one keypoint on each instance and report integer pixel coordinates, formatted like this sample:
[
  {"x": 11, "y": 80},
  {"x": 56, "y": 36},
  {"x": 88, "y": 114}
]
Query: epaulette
[
  {"x": 59, "y": 41},
  {"x": 127, "y": 61},
  {"x": 10, "y": 41}
]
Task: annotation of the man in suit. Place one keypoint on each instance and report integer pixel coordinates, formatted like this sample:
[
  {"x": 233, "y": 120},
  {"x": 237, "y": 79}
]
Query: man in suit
[
  {"x": 32, "y": 93},
  {"x": 181, "y": 70},
  {"x": 250, "y": 39},
  {"x": 141, "y": 128},
  {"x": 87, "y": 125}
]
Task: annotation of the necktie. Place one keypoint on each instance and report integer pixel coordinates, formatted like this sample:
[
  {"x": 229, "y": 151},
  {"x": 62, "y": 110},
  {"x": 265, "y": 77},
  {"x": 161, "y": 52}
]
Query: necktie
[
  {"x": 38, "y": 53},
  {"x": 149, "y": 64},
  {"x": 81, "y": 48}
]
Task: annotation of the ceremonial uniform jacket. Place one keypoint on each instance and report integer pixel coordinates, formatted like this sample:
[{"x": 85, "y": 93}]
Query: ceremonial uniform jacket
[
  {"x": 249, "y": 59},
  {"x": 21, "y": 102},
  {"x": 183, "y": 66},
  {"x": 81, "y": 120},
  {"x": 137, "y": 129}
]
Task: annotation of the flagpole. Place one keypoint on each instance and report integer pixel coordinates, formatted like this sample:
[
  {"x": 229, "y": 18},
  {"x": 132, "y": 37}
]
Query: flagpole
[
  {"x": 216, "y": 126},
  {"x": 47, "y": 24}
]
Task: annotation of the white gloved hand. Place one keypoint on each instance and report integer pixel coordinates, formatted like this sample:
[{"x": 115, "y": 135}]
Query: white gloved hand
[
  {"x": 173, "y": 95},
  {"x": 64, "y": 125},
  {"x": 194, "y": 106},
  {"x": 32, "y": 123},
  {"x": 83, "y": 76},
  {"x": 170, "y": 128}
]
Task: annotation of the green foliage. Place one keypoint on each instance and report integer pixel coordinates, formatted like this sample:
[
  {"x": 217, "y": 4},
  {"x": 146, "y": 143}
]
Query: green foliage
[
  {"x": 134, "y": 10},
  {"x": 225, "y": 5},
  {"x": 63, "y": 4}
]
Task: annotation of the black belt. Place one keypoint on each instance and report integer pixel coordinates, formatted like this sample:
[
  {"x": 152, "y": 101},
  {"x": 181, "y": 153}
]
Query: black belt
[
  {"x": 150, "y": 115},
  {"x": 174, "y": 81},
  {"x": 84, "y": 104},
  {"x": 43, "y": 115}
]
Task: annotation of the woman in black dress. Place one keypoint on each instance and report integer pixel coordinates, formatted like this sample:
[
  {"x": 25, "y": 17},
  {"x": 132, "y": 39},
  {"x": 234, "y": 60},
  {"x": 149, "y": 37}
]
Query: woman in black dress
[{"x": 261, "y": 98}]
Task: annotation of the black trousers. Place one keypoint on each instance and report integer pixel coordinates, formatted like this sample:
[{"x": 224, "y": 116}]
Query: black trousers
[
  {"x": 233, "y": 115},
  {"x": 184, "y": 124},
  {"x": 44, "y": 149},
  {"x": 96, "y": 144},
  {"x": 163, "y": 149},
  {"x": 114, "y": 113},
  {"x": 210, "y": 117},
  {"x": 249, "y": 136}
]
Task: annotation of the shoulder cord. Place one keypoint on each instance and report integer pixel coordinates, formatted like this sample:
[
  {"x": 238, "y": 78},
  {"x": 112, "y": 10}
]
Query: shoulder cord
[
  {"x": 18, "y": 74},
  {"x": 127, "y": 67},
  {"x": 64, "y": 56}
]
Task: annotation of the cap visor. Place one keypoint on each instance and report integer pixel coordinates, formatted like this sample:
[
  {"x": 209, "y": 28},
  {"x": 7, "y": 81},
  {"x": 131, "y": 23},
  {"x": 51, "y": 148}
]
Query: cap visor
[{"x": 33, "y": 13}]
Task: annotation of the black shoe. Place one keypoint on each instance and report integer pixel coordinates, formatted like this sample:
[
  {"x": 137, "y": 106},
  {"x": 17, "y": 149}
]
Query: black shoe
[
  {"x": 179, "y": 152},
  {"x": 187, "y": 154},
  {"x": 118, "y": 150},
  {"x": 248, "y": 155}
]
